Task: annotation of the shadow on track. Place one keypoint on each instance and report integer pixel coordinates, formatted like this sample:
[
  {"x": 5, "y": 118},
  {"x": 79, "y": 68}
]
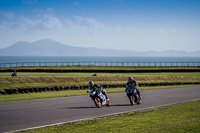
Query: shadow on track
[
  {"x": 121, "y": 105},
  {"x": 117, "y": 105},
  {"x": 77, "y": 107}
]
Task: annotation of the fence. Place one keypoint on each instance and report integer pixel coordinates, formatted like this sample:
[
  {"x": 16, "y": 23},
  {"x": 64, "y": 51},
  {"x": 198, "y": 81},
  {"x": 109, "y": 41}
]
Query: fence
[{"x": 22, "y": 64}]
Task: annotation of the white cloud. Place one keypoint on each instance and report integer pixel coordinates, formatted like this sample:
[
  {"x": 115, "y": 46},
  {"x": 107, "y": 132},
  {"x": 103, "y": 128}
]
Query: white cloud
[
  {"x": 118, "y": 27},
  {"x": 89, "y": 22},
  {"x": 6, "y": 15},
  {"x": 51, "y": 22},
  {"x": 40, "y": 22},
  {"x": 84, "y": 24},
  {"x": 43, "y": 11},
  {"x": 177, "y": 31},
  {"x": 159, "y": 30}
]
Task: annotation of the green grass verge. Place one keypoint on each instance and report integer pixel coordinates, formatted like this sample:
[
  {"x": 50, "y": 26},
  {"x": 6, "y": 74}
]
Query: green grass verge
[
  {"x": 54, "y": 79},
  {"x": 178, "y": 118},
  {"x": 68, "y": 93},
  {"x": 30, "y": 74}
]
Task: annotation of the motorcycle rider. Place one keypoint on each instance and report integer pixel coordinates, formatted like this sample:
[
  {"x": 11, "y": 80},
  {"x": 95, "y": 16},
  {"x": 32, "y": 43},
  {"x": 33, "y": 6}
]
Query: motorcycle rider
[
  {"x": 14, "y": 73},
  {"x": 133, "y": 84},
  {"x": 92, "y": 85}
]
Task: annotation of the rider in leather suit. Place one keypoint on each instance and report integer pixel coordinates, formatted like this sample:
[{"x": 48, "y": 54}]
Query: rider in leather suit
[
  {"x": 99, "y": 88},
  {"x": 132, "y": 83}
]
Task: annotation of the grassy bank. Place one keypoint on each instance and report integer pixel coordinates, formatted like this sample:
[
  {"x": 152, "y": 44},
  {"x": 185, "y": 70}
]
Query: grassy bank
[
  {"x": 68, "y": 93},
  {"x": 170, "y": 119},
  {"x": 54, "y": 79}
]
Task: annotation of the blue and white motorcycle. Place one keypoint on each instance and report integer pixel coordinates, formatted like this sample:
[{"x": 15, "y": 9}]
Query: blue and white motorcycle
[{"x": 99, "y": 98}]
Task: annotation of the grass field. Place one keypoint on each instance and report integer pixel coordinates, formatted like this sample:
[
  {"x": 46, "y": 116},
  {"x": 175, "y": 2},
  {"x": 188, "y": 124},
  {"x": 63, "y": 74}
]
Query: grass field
[
  {"x": 178, "y": 118},
  {"x": 68, "y": 93},
  {"x": 54, "y": 79}
]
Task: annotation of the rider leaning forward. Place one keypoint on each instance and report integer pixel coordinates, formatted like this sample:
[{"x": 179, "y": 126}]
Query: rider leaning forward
[
  {"x": 92, "y": 85},
  {"x": 133, "y": 84}
]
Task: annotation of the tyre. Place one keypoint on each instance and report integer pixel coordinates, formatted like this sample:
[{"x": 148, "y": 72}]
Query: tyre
[
  {"x": 97, "y": 102},
  {"x": 139, "y": 102},
  {"x": 132, "y": 100},
  {"x": 138, "y": 99}
]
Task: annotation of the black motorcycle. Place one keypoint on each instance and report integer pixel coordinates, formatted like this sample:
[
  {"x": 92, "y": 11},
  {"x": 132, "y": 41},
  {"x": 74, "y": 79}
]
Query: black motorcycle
[{"x": 133, "y": 95}]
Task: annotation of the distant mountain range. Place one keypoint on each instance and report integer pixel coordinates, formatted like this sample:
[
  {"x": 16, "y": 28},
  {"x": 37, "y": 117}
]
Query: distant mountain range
[{"x": 50, "y": 47}]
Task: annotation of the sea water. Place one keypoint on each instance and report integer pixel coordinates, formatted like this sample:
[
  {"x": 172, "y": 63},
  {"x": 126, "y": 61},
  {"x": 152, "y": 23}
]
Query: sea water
[{"x": 120, "y": 61}]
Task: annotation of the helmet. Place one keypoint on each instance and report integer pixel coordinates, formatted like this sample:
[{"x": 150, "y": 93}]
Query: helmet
[
  {"x": 130, "y": 79},
  {"x": 91, "y": 83}
]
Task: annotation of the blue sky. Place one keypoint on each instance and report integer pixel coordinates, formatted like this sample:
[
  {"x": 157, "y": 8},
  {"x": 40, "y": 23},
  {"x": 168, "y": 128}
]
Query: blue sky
[{"x": 138, "y": 25}]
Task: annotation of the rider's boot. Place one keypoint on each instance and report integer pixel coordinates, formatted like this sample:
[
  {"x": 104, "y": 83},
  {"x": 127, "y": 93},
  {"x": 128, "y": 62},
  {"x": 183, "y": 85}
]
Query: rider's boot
[
  {"x": 139, "y": 94},
  {"x": 107, "y": 97}
]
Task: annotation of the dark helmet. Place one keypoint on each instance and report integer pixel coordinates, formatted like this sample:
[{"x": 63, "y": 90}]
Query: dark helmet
[
  {"x": 91, "y": 83},
  {"x": 130, "y": 79}
]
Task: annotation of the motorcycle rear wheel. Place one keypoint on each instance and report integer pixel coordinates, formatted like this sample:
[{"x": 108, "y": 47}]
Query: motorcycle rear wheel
[{"x": 139, "y": 102}]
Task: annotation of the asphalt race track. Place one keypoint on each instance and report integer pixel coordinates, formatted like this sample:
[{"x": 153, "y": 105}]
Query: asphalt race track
[{"x": 21, "y": 115}]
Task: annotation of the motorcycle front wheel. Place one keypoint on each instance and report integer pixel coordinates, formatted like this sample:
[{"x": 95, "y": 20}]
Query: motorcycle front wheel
[
  {"x": 132, "y": 99},
  {"x": 97, "y": 102}
]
